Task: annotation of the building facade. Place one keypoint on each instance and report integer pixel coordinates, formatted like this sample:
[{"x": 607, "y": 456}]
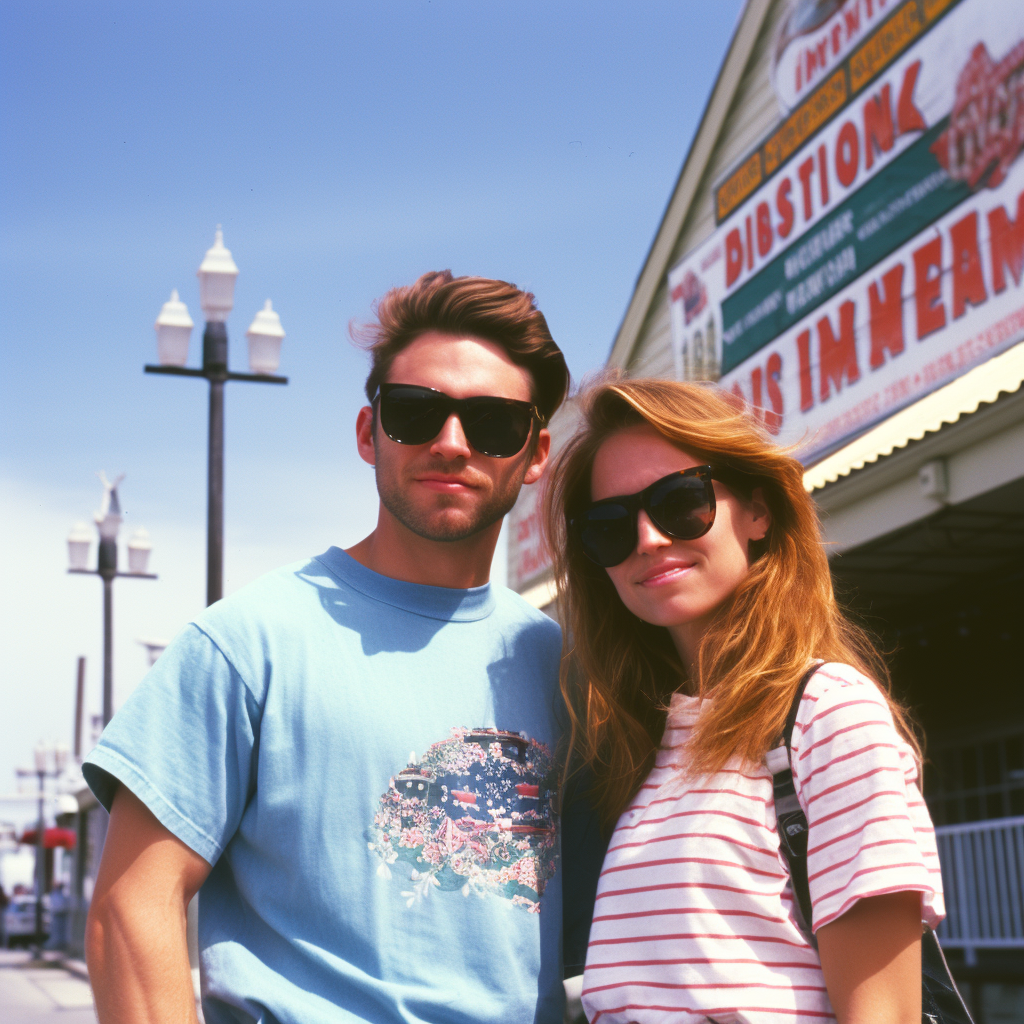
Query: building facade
[{"x": 844, "y": 249}]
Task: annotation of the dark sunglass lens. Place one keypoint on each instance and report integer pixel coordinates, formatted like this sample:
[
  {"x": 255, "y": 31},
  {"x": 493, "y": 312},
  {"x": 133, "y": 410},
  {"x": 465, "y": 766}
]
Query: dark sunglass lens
[
  {"x": 607, "y": 534},
  {"x": 412, "y": 417},
  {"x": 683, "y": 506},
  {"x": 496, "y": 428}
]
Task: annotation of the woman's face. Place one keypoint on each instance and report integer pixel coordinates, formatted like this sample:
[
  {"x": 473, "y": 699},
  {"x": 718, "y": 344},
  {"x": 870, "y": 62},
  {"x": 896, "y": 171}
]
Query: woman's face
[{"x": 678, "y": 584}]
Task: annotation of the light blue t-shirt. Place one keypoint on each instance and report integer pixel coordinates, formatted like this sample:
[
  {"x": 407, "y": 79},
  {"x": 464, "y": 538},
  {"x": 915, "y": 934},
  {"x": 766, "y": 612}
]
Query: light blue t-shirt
[{"x": 367, "y": 764}]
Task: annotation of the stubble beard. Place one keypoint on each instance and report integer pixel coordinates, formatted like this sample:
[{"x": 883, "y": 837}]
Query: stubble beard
[{"x": 434, "y": 525}]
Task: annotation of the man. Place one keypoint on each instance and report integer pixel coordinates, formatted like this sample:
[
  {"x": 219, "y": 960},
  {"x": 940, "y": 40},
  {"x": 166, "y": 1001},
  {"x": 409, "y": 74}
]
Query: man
[{"x": 352, "y": 756}]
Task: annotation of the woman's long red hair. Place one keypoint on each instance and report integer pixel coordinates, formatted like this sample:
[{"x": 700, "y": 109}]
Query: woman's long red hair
[{"x": 618, "y": 672}]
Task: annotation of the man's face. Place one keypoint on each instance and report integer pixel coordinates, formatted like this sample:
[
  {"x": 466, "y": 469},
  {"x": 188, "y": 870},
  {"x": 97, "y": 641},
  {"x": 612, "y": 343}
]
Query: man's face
[{"x": 445, "y": 490}]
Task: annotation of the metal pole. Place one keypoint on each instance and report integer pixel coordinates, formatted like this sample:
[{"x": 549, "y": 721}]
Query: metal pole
[
  {"x": 215, "y": 496},
  {"x": 215, "y": 369},
  {"x": 40, "y": 863},
  {"x": 108, "y": 648},
  {"x": 79, "y": 708}
]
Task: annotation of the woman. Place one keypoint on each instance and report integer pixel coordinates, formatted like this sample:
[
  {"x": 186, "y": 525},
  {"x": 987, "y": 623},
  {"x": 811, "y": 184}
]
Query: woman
[{"x": 697, "y": 595}]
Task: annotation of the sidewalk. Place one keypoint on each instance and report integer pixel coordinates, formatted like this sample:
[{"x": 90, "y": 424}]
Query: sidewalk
[{"x": 34, "y": 992}]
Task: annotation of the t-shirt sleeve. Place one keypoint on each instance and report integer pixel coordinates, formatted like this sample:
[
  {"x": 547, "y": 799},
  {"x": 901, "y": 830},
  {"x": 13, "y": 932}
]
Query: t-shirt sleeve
[
  {"x": 869, "y": 832},
  {"x": 185, "y": 744}
]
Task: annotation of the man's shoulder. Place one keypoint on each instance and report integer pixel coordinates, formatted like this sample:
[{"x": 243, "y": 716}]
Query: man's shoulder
[
  {"x": 516, "y": 610},
  {"x": 274, "y": 599}
]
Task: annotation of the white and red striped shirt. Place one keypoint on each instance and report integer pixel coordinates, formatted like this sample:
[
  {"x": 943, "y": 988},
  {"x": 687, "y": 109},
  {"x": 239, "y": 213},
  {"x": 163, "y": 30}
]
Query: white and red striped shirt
[{"x": 694, "y": 912}]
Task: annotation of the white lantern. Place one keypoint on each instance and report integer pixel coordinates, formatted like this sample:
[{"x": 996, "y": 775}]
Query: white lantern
[
  {"x": 79, "y": 540},
  {"x": 217, "y": 275},
  {"x": 173, "y": 330},
  {"x": 139, "y": 548},
  {"x": 40, "y": 754},
  {"x": 265, "y": 336}
]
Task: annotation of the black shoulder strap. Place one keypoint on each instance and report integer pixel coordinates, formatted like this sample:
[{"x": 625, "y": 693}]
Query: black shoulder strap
[{"x": 791, "y": 821}]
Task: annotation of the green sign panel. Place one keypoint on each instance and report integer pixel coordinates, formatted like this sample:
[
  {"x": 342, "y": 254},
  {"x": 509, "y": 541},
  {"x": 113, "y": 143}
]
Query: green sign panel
[{"x": 892, "y": 207}]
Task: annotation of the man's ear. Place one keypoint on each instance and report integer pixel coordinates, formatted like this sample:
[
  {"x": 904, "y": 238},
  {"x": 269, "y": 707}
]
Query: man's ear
[
  {"x": 539, "y": 459},
  {"x": 762, "y": 516},
  {"x": 364, "y": 435}
]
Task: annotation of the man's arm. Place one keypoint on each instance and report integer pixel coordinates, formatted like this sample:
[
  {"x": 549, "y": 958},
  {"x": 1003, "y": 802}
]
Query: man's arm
[
  {"x": 135, "y": 936},
  {"x": 871, "y": 959}
]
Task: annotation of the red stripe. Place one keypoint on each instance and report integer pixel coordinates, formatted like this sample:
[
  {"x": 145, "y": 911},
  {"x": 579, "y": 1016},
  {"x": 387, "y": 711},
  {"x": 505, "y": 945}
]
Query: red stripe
[
  {"x": 688, "y": 860},
  {"x": 689, "y": 814},
  {"x": 661, "y": 912},
  {"x": 682, "y": 885},
  {"x": 853, "y": 726},
  {"x": 708, "y": 1012},
  {"x": 809, "y": 966},
  {"x": 687, "y": 988},
  {"x": 696, "y": 835},
  {"x": 852, "y": 807},
  {"x": 850, "y": 860},
  {"x": 804, "y": 779},
  {"x": 849, "y": 782},
  {"x": 861, "y": 828},
  {"x": 866, "y": 895},
  {"x": 625, "y": 940},
  {"x": 866, "y": 871}
]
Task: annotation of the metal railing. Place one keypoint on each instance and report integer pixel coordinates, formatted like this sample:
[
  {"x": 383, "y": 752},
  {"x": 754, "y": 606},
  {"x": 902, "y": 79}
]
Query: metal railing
[{"x": 983, "y": 881}]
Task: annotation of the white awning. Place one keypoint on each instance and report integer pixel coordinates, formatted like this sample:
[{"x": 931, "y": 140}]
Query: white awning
[{"x": 1002, "y": 373}]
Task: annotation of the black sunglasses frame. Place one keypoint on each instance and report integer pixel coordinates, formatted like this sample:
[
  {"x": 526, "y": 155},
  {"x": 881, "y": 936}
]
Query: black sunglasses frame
[
  {"x": 633, "y": 503},
  {"x": 464, "y": 408}
]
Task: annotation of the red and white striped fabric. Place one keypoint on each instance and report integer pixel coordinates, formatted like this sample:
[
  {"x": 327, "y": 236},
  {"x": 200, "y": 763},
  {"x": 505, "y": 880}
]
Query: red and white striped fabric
[{"x": 694, "y": 913}]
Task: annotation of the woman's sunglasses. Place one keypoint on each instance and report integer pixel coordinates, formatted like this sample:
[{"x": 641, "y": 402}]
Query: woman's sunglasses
[
  {"x": 498, "y": 427},
  {"x": 681, "y": 505}
]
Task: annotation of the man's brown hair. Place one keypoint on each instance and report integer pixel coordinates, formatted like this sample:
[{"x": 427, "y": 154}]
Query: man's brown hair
[{"x": 493, "y": 310}]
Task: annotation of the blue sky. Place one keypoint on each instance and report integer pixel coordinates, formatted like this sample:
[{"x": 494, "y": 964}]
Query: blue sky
[{"x": 344, "y": 148}]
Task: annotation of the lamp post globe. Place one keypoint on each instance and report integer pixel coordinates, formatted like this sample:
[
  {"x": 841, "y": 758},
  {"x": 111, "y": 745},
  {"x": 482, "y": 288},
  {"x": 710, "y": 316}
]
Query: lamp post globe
[
  {"x": 79, "y": 542},
  {"x": 217, "y": 275},
  {"x": 264, "y": 336},
  {"x": 173, "y": 331},
  {"x": 139, "y": 548}
]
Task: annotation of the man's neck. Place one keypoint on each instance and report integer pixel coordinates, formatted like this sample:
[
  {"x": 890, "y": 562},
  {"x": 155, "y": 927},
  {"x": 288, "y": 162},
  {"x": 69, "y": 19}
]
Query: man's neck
[{"x": 395, "y": 551}]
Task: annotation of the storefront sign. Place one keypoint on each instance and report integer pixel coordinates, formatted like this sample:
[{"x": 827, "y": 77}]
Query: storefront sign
[{"x": 885, "y": 256}]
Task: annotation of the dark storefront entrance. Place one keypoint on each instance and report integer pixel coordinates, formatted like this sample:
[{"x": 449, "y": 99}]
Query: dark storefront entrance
[{"x": 946, "y": 597}]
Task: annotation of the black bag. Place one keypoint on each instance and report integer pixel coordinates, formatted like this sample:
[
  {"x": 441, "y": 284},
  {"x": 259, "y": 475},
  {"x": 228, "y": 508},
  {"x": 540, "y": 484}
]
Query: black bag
[{"x": 941, "y": 1003}]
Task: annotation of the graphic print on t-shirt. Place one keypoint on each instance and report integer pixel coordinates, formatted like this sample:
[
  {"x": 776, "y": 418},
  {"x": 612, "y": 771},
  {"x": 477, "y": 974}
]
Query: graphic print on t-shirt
[{"x": 473, "y": 814}]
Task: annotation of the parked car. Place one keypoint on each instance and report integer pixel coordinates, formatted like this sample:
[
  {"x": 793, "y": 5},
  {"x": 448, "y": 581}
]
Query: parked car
[{"x": 20, "y": 920}]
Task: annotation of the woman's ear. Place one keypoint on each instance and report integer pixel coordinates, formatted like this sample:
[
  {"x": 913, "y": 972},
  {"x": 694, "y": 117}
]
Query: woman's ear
[{"x": 761, "y": 516}]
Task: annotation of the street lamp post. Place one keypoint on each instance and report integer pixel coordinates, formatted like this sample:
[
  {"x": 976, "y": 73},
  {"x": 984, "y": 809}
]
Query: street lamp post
[
  {"x": 217, "y": 275},
  {"x": 108, "y": 523},
  {"x": 43, "y": 755}
]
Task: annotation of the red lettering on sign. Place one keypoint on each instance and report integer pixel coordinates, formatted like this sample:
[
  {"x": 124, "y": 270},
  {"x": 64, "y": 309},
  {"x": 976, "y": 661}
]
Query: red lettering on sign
[
  {"x": 837, "y": 357},
  {"x": 908, "y": 117},
  {"x": 878, "y": 126},
  {"x": 886, "y": 316},
  {"x": 755, "y": 391},
  {"x": 1006, "y": 238},
  {"x": 733, "y": 256},
  {"x": 764, "y": 229},
  {"x": 773, "y": 371},
  {"x": 785, "y": 208},
  {"x": 968, "y": 279},
  {"x": 931, "y": 313},
  {"x": 803, "y": 351},
  {"x": 823, "y": 174},
  {"x": 847, "y": 154},
  {"x": 750, "y": 245},
  {"x": 804, "y": 172}
]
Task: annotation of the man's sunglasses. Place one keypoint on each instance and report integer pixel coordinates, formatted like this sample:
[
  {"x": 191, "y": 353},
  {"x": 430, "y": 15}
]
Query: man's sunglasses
[
  {"x": 681, "y": 505},
  {"x": 498, "y": 427}
]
